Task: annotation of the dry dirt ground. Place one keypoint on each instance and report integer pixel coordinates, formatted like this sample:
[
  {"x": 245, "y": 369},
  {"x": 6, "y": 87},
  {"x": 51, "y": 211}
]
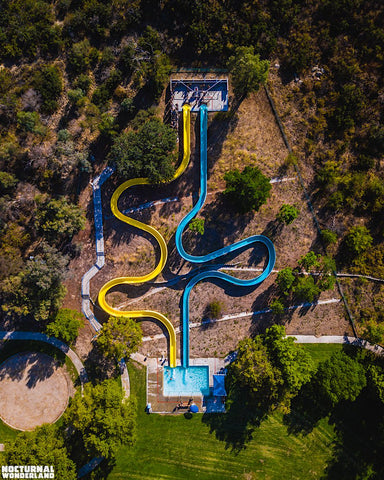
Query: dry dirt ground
[
  {"x": 34, "y": 390},
  {"x": 248, "y": 137}
]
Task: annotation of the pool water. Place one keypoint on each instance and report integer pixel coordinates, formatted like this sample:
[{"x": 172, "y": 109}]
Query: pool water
[{"x": 181, "y": 381}]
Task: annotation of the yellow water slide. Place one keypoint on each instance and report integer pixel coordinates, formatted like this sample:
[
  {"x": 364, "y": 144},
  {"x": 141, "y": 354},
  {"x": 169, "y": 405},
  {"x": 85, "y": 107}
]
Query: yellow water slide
[{"x": 160, "y": 240}]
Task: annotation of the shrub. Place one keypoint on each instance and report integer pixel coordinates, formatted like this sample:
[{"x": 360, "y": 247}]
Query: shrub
[
  {"x": 49, "y": 83},
  {"x": 358, "y": 240},
  {"x": 247, "y": 190},
  {"x": 215, "y": 309},
  {"x": 329, "y": 237},
  {"x": 65, "y": 325},
  {"x": 8, "y": 182},
  {"x": 248, "y": 71},
  {"x": 285, "y": 280},
  {"x": 83, "y": 82},
  {"x": 287, "y": 214},
  {"x": 305, "y": 289},
  {"x": 30, "y": 122},
  {"x": 277, "y": 307},
  {"x": 196, "y": 225}
]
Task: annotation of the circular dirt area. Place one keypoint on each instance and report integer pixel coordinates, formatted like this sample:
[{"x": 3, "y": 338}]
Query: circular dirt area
[{"x": 34, "y": 389}]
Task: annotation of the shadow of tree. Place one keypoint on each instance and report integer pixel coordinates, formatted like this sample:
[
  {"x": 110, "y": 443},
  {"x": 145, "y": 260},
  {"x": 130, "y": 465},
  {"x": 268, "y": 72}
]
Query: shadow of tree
[{"x": 236, "y": 426}]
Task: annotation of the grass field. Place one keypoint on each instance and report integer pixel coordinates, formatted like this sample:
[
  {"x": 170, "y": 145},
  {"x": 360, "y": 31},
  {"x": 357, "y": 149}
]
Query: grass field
[{"x": 175, "y": 447}]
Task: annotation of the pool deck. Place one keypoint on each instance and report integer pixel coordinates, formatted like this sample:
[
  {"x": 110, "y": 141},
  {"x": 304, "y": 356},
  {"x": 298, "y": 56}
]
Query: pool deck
[{"x": 166, "y": 405}]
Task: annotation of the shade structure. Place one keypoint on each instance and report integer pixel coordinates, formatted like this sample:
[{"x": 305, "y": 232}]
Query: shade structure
[
  {"x": 194, "y": 408},
  {"x": 219, "y": 386}
]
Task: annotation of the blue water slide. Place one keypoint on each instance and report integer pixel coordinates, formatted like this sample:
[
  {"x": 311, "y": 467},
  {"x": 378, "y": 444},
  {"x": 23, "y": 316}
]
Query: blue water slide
[{"x": 250, "y": 241}]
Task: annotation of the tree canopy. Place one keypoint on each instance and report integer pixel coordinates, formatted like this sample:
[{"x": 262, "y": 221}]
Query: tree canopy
[
  {"x": 65, "y": 325},
  {"x": 248, "y": 71},
  {"x": 42, "y": 446},
  {"x": 101, "y": 419},
  {"x": 247, "y": 190},
  {"x": 119, "y": 337}
]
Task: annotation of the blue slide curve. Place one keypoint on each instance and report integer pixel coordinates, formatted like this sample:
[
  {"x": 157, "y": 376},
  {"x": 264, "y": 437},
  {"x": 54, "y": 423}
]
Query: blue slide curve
[{"x": 218, "y": 253}]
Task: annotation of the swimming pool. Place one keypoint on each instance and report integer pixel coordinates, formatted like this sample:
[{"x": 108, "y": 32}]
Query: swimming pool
[{"x": 181, "y": 381}]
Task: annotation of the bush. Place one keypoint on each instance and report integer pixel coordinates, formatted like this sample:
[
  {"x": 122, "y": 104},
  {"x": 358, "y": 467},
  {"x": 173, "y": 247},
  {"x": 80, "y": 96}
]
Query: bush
[
  {"x": 8, "y": 182},
  {"x": 285, "y": 280},
  {"x": 247, "y": 190},
  {"x": 287, "y": 214},
  {"x": 305, "y": 289},
  {"x": 358, "y": 240},
  {"x": 329, "y": 237},
  {"x": 277, "y": 307},
  {"x": 196, "y": 225},
  {"x": 49, "y": 83},
  {"x": 149, "y": 152},
  {"x": 309, "y": 260},
  {"x": 214, "y": 309},
  {"x": 75, "y": 96},
  {"x": 248, "y": 71},
  {"x": 83, "y": 82},
  {"x": 30, "y": 122},
  {"x": 65, "y": 325},
  {"x": 107, "y": 126},
  {"x": 78, "y": 57}
]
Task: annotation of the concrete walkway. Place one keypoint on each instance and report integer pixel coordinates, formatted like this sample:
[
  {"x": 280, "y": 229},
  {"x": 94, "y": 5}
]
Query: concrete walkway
[
  {"x": 100, "y": 257},
  {"x": 41, "y": 337}
]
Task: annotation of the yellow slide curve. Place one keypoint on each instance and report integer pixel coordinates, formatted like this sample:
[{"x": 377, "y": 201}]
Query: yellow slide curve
[{"x": 160, "y": 240}]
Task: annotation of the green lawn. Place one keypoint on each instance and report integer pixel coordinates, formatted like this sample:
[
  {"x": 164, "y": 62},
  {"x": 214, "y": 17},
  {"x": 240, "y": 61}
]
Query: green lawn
[
  {"x": 321, "y": 351},
  {"x": 174, "y": 447}
]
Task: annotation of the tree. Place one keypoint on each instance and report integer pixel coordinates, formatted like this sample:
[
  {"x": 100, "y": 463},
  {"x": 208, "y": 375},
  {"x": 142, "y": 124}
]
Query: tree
[
  {"x": 305, "y": 289},
  {"x": 248, "y": 71},
  {"x": 66, "y": 325},
  {"x": 8, "y": 182},
  {"x": 308, "y": 261},
  {"x": 373, "y": 331},
  {"x": 42, "y": 446},
  {"x": 49, "y": 83},
  {"x": 253, "y": 372},
  {"x": 197, "y": 225},
  {"x": 340, "y": 378},
  {"x": 357, "y": 240},
  {"x": 119, "y": 337},
  {"x": 214, "y": 309},
  {"x": 30, "y": 122},
  {"x": 100, "y": 420},
  {"x": 277, "y": 307},
  {"x": 247, "y": 190},
  {"x": 294, "y": 363},
  {"x": 57, "y": 219},
  {"x": 328, "y": 236},
  {"x": 285, "y": 280},
  {"x": 287, "y": 214},
  {"x": 36, "y": 290},
  {"x": 149, "y": 152}
]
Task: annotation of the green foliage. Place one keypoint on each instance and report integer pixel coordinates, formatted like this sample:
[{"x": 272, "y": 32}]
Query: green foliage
[
  {"x": 287, "y": 214},
  {"x": 37, "y": 289},
  {"x": 119, "y": 337},
  {"x": 75, "y": 96},
  {"x": 8, "y": 182},
  {"x": 149, "y": 152},
  {"x": 83, "y": 82},
  {"x": 271, "y": 368},
  {"x": 27, "y": 30},
  {"x": 285, "y": 280},
  {"x": 42, "y": 446},
  {"x": 107, "y": 126},
  {"x": 126, "y": 60},
  {"x": 101, "y": 420},
  {"x": 373, "y": 332},
  {"x": 215, "y": 309},
  {"x": 65, "y": 325},
  {"x": 48, "y": 82},
  {"x": 277, "y": 307},
  {"x": 357, "y": 240},
  {"x": 340, "y": 378},
  {"x": 305, "y": 289},
  {"x": 127, "y": 106},
  {"x": 248, "y": 71},
  {"x": 30, "y": 122},
  {"x": 253, "y": 372},
  {"x": 79, "y": 57},
  {"x": 58, "y": 220},
  {"x": 63, "y": 135},
  {"x": 196, "y": 225},
  {"x": 309, "y": 261},
  {"x": 328, "y": 236},
  {"x": 247, "y": 190}
]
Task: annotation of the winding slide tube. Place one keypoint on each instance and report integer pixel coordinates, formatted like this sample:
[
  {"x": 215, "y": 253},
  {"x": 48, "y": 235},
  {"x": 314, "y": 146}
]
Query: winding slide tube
[
  {"x": 160, "y": 240},
  {"x": 218, "y": 253}
]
